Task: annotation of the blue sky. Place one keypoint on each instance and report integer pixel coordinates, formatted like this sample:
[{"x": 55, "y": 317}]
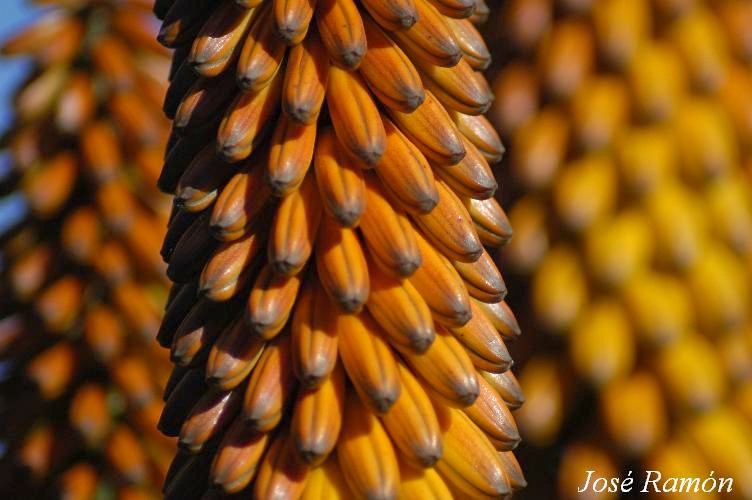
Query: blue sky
[{"x": 15, "y": 15}]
